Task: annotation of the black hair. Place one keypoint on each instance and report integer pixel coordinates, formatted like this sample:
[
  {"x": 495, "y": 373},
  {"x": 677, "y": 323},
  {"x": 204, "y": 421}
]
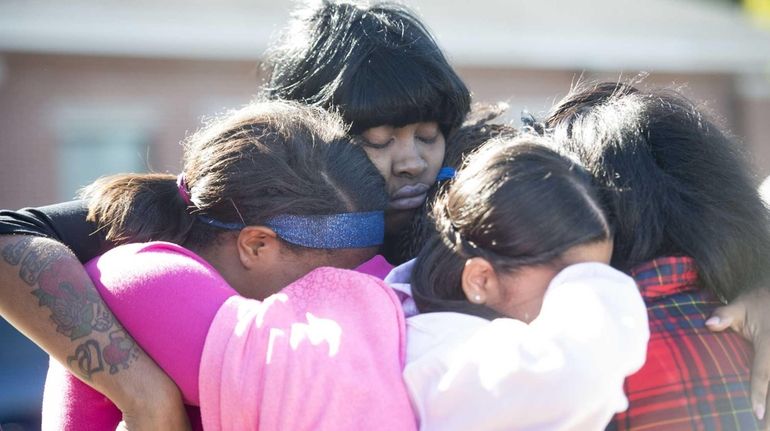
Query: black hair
[
  {"x": 376, "y": 63},
  {"x": 475, "y": 131},
  {"x": 515, "y": 203},
  {"x": 673, "y": 182},
  {"x": 266, "y": 159}
]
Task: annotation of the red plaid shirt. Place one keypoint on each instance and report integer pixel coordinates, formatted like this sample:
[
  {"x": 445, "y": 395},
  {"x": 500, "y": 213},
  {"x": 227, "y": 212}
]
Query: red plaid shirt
[{"x": 693, "y": 379}]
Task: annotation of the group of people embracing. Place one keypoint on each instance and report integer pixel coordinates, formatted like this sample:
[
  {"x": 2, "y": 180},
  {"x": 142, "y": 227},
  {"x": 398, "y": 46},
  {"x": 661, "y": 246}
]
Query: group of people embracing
[{"x": 359, "y": 249}]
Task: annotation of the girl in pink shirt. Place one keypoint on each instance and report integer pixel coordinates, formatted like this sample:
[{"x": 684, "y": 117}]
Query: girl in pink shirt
[{"x": 269, "y": 194}]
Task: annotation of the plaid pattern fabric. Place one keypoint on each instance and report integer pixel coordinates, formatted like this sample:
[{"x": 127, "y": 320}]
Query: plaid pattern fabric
[{"x": 693, "y": 379}]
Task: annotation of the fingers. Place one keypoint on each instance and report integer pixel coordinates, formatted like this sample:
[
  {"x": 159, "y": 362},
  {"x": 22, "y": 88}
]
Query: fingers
[
  {"x": 760, "y": 378},
  {"x": 747, "y": 315},
  {"x": 726, "y": 316}
]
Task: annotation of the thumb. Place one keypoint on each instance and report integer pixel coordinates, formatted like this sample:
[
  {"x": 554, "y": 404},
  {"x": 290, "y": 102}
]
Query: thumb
[{"x": 727, "y": 316}]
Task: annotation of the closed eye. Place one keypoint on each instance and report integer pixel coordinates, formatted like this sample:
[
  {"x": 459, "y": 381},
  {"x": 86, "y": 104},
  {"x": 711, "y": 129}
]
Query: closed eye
[
  {"x": 376, "y": 145},
  {"x": 429, "y": 140}
]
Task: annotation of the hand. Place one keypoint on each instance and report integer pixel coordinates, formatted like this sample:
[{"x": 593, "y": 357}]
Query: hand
[
  {"x": 161, "y": 409},
  {"x": 149, "y": 399},
  {"x": 748, "y": 315},
  {"x": 168, "y": 421}
]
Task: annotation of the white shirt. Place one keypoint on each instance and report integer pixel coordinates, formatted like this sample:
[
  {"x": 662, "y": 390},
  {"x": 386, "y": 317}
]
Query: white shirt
[{"x": 563, "y": 371}]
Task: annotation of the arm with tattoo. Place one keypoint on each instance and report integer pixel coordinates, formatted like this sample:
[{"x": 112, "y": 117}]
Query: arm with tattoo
[
  {"x": 47, "y": 295},
  {"x": 76, "y": 310}
]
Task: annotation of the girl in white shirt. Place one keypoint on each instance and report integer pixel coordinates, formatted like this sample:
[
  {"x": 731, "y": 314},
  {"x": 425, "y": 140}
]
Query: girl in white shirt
[{"x": 522, "y": 323}]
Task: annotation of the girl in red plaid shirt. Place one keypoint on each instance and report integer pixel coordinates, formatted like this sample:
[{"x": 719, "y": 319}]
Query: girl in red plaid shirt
[{"x": 691, "y": 229}]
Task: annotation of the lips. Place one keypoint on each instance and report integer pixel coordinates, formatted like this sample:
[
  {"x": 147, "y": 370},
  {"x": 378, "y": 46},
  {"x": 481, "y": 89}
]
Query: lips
[{"x": 408, "y": 197}]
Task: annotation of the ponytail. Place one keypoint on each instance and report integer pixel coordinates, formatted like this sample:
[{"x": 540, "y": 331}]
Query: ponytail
[
  {"x": 138, "y": 208},
  {"x": 441, "y": 290}
]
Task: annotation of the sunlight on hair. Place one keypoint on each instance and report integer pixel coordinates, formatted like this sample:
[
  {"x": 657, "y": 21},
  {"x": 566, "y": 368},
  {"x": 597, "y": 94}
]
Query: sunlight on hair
[{"x": 764, "y": 191}]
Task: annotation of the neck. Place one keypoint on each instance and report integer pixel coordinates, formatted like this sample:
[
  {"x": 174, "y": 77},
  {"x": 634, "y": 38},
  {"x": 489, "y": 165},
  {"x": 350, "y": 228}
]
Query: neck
[{"x": 224, "y": 258}]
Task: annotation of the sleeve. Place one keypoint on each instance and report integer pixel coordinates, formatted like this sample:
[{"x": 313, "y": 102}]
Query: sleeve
[
  {"x": 64, "y": 222},
  {"x": 166, "y": 299},
  {"x": 564, "y": 371},
  {"x": 69, "y": 404}
]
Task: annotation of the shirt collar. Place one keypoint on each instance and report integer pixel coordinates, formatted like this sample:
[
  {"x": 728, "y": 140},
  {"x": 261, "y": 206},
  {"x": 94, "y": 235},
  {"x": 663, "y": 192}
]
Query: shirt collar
[
  {"x": 665, "y": 276},
  {"x": 399, "y": 279}
]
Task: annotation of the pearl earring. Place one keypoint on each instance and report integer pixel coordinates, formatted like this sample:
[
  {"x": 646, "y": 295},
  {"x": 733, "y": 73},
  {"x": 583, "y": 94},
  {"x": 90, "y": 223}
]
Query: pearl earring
[{"x": 477, "y": 298}]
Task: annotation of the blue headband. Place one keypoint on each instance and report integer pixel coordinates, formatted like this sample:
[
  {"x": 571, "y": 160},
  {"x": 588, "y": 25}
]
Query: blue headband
[
  {"x": 333, "y": 231},
  {"x": 446, "y": 173}
]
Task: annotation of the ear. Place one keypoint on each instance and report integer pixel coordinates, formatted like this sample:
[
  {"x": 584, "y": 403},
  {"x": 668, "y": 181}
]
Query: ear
[
  {"x": 479, "y": 281},
  {"x": 257, "y": 245}
]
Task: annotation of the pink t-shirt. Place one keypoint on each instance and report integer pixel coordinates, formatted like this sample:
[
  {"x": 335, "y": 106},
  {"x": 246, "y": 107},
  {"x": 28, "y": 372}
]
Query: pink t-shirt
[
  {"x": 159, "y": 292},
  {"x": 324, "y": 354}
]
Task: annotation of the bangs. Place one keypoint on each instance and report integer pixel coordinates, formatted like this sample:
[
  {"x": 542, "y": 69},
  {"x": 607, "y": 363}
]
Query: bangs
[
  {"x": 389, "y": 87},
  {"x": 377, "y": 65}
]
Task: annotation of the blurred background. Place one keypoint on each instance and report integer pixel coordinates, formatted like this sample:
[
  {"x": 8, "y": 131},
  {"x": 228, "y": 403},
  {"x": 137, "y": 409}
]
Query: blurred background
[{"x": 89, "y": 87}]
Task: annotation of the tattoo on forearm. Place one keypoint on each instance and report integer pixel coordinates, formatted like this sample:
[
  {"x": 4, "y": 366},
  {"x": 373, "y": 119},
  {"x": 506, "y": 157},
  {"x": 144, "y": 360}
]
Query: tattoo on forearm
[
  {"x": 89, "y": 359},
  {"x": 77, "y": 310},
  {"x": 33, "y": 264},
  {"x": 120, "y": 351},
  {"x": 15, "y": 251}
]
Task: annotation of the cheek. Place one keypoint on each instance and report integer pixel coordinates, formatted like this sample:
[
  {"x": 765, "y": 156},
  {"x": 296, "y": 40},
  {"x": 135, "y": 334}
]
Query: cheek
[
  {"x": 434, "y": 156},
  {"x": 381, "y": 160}
]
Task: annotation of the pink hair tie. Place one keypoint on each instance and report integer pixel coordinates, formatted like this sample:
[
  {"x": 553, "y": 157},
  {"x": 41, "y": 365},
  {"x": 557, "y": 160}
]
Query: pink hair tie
[{"x": 184, "y": 192}]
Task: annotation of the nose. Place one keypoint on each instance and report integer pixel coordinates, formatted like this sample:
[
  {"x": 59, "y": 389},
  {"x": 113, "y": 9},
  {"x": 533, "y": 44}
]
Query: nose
[{"x": 408, "y": 161}]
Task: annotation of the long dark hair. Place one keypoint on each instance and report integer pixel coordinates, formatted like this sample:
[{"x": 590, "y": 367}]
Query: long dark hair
[
  {"x": 376, "y": 63},
  {"x": 266, "y": 159},
  {"x": 673, "y": 182},
  {"x": 463, "y": 141},
  {"x": 515, "y": 203}
]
